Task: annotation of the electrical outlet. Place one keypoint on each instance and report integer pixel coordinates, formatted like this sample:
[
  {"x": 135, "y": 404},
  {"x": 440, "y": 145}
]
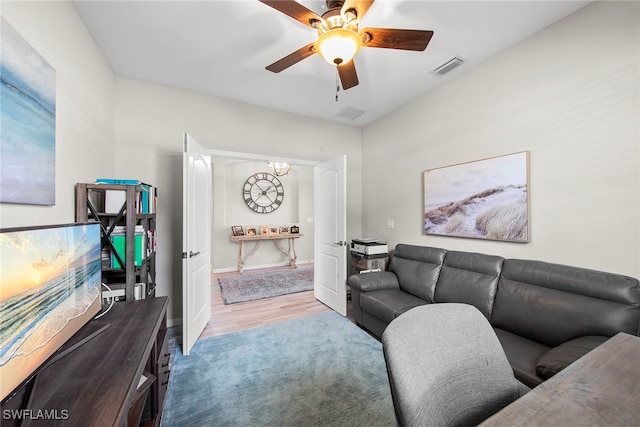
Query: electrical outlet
[{"x": 390, "y": 223}]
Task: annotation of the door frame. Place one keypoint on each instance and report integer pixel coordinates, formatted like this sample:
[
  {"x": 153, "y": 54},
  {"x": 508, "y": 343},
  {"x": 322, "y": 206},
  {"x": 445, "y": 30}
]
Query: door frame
[
  {"x": 259, "y": 157},
  {"x": 222, "y": 154}
]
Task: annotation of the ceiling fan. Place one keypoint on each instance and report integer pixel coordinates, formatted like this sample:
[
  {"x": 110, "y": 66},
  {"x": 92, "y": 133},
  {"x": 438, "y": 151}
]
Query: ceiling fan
[{"x": 339, "y": 38}]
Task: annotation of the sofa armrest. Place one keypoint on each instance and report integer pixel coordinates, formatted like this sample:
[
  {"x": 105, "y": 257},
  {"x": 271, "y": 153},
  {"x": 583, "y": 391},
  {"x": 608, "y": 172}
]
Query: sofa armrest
[
  {"x": 565, "y": 354},
  {"x": 374, "y": 281}
]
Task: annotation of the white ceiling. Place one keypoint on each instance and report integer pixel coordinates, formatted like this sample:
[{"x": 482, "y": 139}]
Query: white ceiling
[{"x": 221, "y": 48}]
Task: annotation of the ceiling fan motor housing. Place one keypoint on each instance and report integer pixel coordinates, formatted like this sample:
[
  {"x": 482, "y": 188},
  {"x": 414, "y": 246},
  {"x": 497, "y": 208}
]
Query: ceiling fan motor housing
[
  {"x": 333, "y": 4},
  {"x": 333, "y": 18}
]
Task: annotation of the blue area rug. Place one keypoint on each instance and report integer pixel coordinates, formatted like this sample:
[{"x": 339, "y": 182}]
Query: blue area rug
[{"x": 320, "y": 370}]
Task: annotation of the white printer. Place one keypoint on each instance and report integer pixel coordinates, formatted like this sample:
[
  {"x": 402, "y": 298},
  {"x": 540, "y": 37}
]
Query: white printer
[{"x": 369, "y": 246}]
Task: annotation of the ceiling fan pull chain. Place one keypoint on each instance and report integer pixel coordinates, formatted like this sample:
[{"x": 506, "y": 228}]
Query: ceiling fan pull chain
[{"x": 337, "y": 84}]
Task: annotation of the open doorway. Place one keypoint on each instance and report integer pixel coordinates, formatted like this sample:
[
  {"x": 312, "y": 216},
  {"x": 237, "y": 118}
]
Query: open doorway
[
  {"x": 232, "y": 212},
  {"x": 230, "y": 170}
]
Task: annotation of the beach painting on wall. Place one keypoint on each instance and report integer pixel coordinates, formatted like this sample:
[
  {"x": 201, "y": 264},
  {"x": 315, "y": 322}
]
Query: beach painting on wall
[
  {"x": 484, "y": 199},
  {"x": 28, "y": 116}
]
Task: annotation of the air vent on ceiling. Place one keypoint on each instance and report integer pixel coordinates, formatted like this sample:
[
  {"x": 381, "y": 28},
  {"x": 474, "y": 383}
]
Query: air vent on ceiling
[
  {"x": 448, "y": 66},
  {"x": 350, "y": 113}
]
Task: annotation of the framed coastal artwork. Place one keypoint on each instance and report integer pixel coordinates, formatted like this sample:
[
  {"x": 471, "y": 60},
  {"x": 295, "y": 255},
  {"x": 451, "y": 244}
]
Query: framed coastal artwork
[
  {"x": 28, "y": 116},
  {"x": 483, "y": 199}
]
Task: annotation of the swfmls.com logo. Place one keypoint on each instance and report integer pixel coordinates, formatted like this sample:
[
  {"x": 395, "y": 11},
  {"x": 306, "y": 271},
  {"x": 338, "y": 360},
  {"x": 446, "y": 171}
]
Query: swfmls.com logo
[{"x": 33, "y": 414}]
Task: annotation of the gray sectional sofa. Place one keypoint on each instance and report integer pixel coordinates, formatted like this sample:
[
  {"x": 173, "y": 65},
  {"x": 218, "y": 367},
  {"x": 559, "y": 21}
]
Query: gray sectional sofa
[{"x": 545, "y": 315}]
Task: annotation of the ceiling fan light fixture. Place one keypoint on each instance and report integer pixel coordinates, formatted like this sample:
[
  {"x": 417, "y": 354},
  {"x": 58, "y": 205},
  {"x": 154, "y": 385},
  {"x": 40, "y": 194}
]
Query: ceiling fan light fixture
[{"x": 339, "y": 45}]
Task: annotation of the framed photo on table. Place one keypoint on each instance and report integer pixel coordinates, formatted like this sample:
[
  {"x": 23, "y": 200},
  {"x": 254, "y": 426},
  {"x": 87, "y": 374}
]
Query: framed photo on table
[
  {"x": 251, "y": 231},
  {"x": 237, "y": 230},
  {"x": 264, "y": 230},
  {"x": 273, "y": 230},
  {"x": 284, "y": 230}
]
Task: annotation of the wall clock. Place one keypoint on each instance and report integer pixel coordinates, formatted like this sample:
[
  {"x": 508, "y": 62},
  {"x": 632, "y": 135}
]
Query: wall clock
[{"x": 263, "y": 192}]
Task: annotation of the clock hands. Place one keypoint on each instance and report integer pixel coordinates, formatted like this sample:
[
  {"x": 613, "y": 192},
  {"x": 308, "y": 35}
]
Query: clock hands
[
  {"x": 263, "y": 192},
  {"x": 267, "y": 193}
]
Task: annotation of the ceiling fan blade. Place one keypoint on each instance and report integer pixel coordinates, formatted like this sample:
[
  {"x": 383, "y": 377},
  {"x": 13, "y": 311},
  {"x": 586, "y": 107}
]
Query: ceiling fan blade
[
  {"x": 292, "y": 58},
  {"x": 294, "y": 10},
  {"x": 348, "y": 75},
  {"x": 360, "y": 6},
  {"x": 390, "y": 38}
]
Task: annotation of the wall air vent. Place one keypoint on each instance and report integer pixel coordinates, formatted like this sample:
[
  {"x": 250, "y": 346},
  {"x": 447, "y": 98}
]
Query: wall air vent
[
  {"x": 448, "y": 66},
  {"x": 350, "y": 113}
]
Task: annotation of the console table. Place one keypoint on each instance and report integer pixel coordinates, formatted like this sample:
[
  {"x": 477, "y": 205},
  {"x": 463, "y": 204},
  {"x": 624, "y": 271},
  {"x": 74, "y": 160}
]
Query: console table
[
  {"x": 601, "y": 388},
  {"x": 290, "y": 252},
  {"x": 118, "y": 377}
]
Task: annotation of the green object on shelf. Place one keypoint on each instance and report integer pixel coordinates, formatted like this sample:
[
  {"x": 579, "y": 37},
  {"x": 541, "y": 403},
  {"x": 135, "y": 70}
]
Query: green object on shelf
[{"x": 119, "y": 242}]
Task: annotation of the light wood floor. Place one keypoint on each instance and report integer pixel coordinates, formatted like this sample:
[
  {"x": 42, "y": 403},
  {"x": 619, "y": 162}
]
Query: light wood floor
[{"x": 251, "y": 314}]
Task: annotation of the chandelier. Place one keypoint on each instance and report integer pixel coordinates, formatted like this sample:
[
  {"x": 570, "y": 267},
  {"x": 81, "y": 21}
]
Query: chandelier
[{"x": 279, "y": 168}]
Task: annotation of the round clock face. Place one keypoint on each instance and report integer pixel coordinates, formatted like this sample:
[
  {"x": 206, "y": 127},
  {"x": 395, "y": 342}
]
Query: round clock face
[{"x": 263, "y": 192}]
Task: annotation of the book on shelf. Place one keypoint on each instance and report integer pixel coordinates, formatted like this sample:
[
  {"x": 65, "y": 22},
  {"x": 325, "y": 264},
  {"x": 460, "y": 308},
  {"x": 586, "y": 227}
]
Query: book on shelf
[
  {"x": 117, "y": 181},
  {"x": 151, "y": 242},
  {"x": 143, "y": 198},
  {"x": 119, "y": 241},
  {"x": 147, "y": 198},
  {"x": 152, "y": 196}
]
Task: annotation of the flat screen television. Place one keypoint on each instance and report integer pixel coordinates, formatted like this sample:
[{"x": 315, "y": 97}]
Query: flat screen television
[{"x": 50, "y": 280}]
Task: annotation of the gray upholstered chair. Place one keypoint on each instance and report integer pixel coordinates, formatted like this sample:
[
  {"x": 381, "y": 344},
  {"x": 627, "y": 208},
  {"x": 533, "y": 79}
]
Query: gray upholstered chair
[{"x": 446, "y": 367}]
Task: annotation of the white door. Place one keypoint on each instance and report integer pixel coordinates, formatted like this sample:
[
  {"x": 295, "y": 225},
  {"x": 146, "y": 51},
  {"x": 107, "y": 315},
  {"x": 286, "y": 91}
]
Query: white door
[
  {"x": 330, "y": 233},
  {"x": 196, "y": 242}
]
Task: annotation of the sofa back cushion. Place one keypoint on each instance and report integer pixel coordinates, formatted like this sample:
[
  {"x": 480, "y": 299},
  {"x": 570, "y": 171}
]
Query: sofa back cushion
[
  {"x": 469, "y": 278},
  {"x": 552, "y": 303},
  {"x": 417, "y": 269}
]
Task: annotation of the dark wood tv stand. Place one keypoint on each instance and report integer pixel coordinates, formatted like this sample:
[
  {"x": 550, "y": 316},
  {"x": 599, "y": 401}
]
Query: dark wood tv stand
[{"x": 100, "y": 382}]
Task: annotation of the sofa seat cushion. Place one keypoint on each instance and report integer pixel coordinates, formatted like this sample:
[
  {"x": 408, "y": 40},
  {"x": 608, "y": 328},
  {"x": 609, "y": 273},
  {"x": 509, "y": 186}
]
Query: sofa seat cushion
[
  {"x": 523, "y": 355},
  {"x": 388, "y": 304},
  {"x": 558, "y": 358}
]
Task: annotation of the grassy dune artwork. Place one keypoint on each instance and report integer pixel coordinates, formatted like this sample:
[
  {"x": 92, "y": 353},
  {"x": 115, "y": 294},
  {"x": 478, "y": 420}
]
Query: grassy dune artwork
[{"x": 484, "y": 199}]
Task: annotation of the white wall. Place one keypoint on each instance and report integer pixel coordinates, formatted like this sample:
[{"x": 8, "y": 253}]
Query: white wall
[
  {"x": 150, "y": 120},
  {"x": 570, "y": 96},
  {"x": 84, "y": 105}
]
